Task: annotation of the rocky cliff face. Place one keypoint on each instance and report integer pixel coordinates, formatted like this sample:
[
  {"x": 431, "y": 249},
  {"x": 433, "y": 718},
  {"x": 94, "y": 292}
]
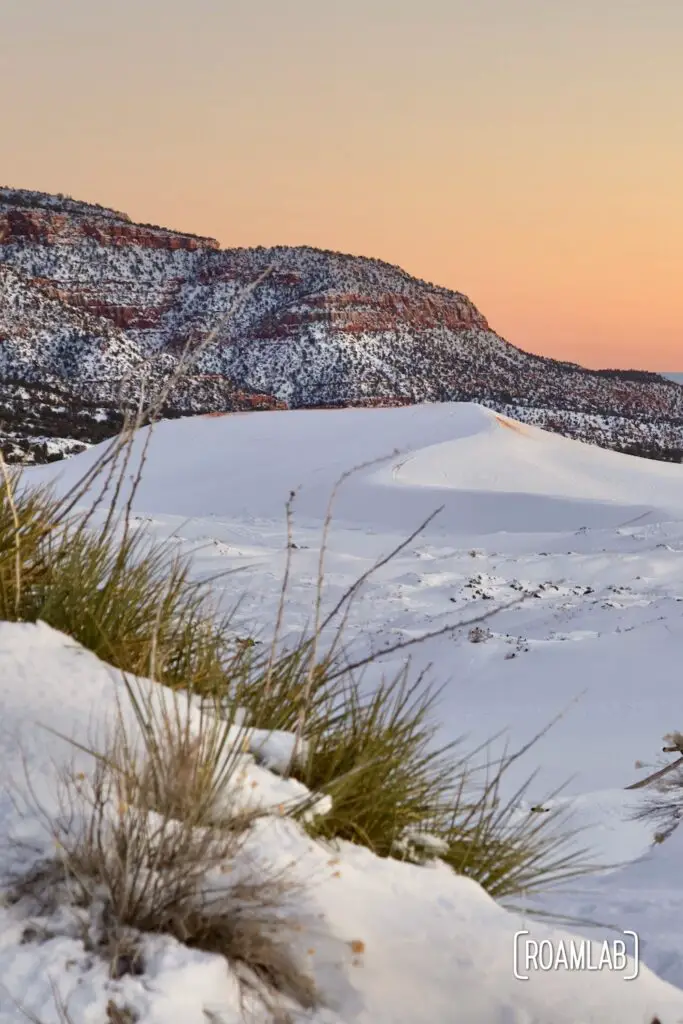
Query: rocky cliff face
[{"x": 90, "y": 302}]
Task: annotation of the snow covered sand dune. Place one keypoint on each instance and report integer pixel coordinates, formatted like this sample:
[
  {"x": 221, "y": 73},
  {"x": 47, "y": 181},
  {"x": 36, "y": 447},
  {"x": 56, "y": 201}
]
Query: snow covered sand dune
[
  {"x": 489, "y": 476},
  {"x": 430, "y": 947},
  {"x": 594, "y": 539},
  {"x": 542, "y": 478}
]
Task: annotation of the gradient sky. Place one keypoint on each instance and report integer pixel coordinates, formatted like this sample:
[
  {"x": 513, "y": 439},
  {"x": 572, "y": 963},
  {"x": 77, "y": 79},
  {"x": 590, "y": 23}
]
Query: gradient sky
[{"x": 526, "y": 152}]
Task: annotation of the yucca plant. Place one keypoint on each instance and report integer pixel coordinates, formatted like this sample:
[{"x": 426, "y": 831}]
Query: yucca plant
[
  {"x": 273, "y": 685},
  {"x": 123, "y": 597},
  {"x": 114, "y": 590},
  {"x": 375, "y": 754},
  {"x": 398, "y": 792},
  {"x": 501, "y": 842},
  {"x": 28, "y": 516}
]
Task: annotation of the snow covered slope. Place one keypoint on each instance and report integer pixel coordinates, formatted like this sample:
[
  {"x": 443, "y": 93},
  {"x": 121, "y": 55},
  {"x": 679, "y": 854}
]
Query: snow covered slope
[
  {"x": 431, "y": 947},
  {"x": 593, "y": 538}
]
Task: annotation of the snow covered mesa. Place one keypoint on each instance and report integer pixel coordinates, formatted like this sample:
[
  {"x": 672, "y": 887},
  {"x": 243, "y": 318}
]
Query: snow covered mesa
[{"x": 88, "y": 299}]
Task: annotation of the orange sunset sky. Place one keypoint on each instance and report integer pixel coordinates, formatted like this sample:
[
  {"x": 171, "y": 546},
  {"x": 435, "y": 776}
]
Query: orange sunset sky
[{"x": 526, "y": 152}]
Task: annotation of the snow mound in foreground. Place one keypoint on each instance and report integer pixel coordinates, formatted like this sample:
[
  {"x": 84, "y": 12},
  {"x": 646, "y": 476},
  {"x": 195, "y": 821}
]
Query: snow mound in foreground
[
  {"x": 430, "y": 947},
  {"x": 461, "y": 456}
]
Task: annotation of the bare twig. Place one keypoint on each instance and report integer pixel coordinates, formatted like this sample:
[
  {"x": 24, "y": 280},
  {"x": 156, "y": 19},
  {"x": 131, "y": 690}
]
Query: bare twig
[
  {"x": 678, "y": 763},
  {"x": 9, "y": 491}
]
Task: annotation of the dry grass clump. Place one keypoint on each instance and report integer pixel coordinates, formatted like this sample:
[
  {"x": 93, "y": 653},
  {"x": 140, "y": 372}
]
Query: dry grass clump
[{"x": 155, "y": 839}]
